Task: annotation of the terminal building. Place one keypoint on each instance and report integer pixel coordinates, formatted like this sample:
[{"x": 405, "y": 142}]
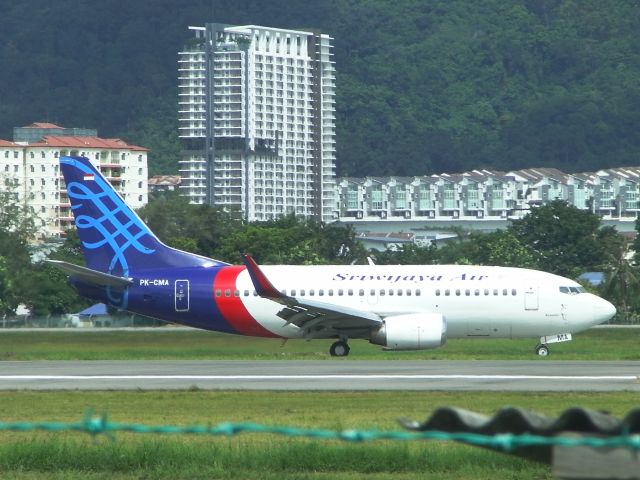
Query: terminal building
[
  {"x": 257, "y": 121},
  {"x": 29, "y": 168}
]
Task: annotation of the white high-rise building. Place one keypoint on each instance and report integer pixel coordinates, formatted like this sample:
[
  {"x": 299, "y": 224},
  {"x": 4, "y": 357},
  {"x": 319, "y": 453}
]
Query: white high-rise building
[{"x": 257, "y": 121}]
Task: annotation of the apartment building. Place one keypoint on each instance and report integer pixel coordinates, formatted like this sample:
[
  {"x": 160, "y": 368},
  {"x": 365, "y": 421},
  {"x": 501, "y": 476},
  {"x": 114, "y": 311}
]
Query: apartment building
[
  {"x": 29, "y": 167},
  {"x": 614, "y": 194},
  {"x": 257, "y": 120}
]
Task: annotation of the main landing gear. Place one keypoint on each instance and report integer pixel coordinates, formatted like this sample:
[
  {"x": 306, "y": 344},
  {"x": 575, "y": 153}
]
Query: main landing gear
[{"x": 339, "y": 349}]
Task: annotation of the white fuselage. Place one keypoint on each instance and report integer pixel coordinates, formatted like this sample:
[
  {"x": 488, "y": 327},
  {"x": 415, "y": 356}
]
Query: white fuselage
[{"x": 475, "y": 301}]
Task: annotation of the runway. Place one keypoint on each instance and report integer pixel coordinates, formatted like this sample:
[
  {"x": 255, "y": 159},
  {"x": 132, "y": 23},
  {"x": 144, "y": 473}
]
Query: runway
[{"x": 536, "y": 375}]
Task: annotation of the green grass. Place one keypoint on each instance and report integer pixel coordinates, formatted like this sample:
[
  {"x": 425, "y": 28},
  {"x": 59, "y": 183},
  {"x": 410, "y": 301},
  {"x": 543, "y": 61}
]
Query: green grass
[
  {"x": 38, "y": 455},
  {"x": 596, "y": 344}
]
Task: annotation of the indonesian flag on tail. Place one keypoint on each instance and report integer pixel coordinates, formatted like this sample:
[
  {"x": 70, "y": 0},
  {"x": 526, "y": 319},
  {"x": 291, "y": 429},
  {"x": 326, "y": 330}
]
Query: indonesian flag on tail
[{"x": 89, "y": 177}]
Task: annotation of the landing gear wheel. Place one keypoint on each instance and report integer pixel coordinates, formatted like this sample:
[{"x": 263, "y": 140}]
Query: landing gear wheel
[
  {"x": 542, "y": 350},
  {"x": 339, "y": 349}
]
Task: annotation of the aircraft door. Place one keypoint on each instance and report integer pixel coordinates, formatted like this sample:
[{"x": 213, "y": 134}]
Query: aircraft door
[
  {"x": 182, "y": 295},
  {"x": 531, "y": 300}
]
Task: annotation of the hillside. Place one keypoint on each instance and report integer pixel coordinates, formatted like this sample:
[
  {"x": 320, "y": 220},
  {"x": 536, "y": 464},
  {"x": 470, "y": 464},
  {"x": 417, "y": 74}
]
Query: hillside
[{"x": 423, "y": 86}]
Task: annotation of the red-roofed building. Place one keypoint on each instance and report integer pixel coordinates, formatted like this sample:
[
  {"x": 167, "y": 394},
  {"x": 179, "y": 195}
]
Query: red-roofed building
[
  {"x": 43, "y": 125},
  {"x": 30, "y": 164},
  {"x": 164, "y": 183}
]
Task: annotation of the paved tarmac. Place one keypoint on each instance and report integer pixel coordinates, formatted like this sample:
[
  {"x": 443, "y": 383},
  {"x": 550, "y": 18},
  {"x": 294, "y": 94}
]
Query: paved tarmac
[{"x": 334, "y": 374}]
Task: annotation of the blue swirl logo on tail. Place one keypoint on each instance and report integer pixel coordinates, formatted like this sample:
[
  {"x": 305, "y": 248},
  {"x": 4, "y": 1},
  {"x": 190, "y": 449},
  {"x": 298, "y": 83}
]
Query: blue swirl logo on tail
[{"x": 108, "y": 229}]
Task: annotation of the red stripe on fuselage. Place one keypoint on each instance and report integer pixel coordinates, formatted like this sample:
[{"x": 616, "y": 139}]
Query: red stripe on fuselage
[{"x": 231, "y": 307}]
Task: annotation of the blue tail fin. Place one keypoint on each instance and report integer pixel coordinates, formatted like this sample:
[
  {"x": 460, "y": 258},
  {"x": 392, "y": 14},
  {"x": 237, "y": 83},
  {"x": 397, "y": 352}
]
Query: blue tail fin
[{"x": 114, "y": 239}]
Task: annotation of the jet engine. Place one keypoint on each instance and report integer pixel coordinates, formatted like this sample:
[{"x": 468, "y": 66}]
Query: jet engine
[{"x": 414, "y": 331}]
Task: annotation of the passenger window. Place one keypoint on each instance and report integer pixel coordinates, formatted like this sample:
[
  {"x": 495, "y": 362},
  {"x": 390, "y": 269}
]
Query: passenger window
[
  {"x": 513, "y": 292},
  {"x": 236, "y": 293},
  {"x": 408, "y": 292},
  {"x": 495, "y": 291},
  {"x": 391, "y": 293},
  {"x": 255, "y": 294},
  {"x": 457, "y": 292},
  {"x": 246, "y": 293},
  {"x": 372, "y": 292},
  {"x": 399, "y": 292},
  {"x": 321, "y": 293},
  {"x": 437, "y": 293},
  {"x": 312, "y": 292},
  {"x": 331, "y": 292},
  {"x": 382, "y": 292},
  {"x": 504, "y": 291},
  {"x": 361, "y": 292},
  {"x": 302, "y": 292},
  {"x": 486, "y": 291},
  {"x": 447, "y": 292},
  {"x": 467, "y": 292},
  {"x": 227, "y": 292},
  {"x": 218, "y": 293},
  {"x": 350, "y": 292},
  {"x": 418, "y": 293},
  {"x": 293, "y": 292},
  {"x": 340, "y": 292}
]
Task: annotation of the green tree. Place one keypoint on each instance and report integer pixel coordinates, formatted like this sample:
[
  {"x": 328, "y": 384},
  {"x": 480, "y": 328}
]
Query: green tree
[
  {"x": 622, "y": 282},
  {"x": 200, "y": 229},
  {"x": 16, "y": 228},
  {"x": 564, "y": 239},
  {"x": 500, "y": 248},
  {"x": 635, "y": 246},
  {"x": 407, "y": 254},
  {"x": 291, "y": 240},
  {"x": 336, "y": 243},
  {"x": 8, "y": 301},
  {"x": 47, "y": 290}
]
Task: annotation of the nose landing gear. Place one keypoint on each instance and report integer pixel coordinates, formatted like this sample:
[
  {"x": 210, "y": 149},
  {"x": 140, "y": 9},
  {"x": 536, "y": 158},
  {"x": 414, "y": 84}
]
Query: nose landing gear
[{"x": 542, "y": 350}]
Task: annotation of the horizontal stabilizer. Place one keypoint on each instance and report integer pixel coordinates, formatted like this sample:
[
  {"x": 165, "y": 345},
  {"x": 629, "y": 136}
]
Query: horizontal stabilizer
[{"x": 94, "y": 277}]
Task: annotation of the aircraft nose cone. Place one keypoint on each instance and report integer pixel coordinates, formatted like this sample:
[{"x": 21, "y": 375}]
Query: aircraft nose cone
[{"x": 603, "y": 311}]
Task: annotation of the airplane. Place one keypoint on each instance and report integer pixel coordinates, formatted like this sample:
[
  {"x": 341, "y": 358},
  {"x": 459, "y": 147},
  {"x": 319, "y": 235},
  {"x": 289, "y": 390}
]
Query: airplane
[{"x": 399, "y": 307}]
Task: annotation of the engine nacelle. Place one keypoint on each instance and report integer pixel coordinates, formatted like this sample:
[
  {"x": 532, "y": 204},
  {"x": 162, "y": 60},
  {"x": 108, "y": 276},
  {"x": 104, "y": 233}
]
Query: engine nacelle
[{"x": 413, "y": 331}]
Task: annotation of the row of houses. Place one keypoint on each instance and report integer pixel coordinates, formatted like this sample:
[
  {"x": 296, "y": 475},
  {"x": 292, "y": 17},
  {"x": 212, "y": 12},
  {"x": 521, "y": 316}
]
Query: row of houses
[{"x": 614, "y": 194}]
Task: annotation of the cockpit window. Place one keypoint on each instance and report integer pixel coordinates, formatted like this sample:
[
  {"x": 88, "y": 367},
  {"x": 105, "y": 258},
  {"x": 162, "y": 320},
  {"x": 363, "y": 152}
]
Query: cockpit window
[{"x": 572, "y": 290}]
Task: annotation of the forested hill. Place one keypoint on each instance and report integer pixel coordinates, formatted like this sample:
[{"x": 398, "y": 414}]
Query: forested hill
[{"x": 423, "y": 86}]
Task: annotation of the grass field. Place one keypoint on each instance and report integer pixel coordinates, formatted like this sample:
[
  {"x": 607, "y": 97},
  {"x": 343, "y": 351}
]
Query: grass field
[
  {"x": 595, "y": 344},
  {"x": 73, "y": 456}
]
